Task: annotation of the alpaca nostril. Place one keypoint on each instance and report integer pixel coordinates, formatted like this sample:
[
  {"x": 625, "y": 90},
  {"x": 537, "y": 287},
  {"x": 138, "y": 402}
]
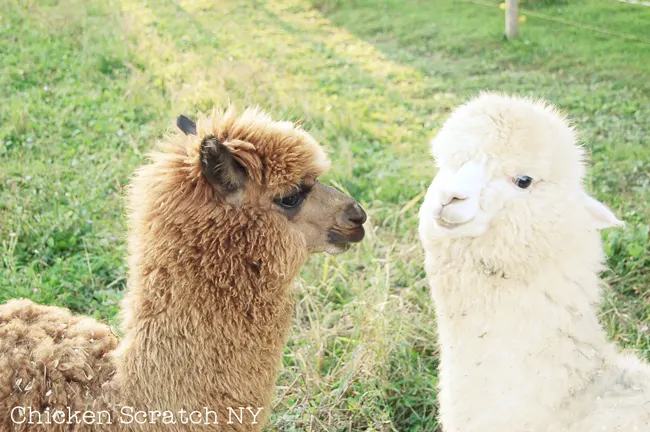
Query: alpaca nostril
[{"x": 355, "y": 214}]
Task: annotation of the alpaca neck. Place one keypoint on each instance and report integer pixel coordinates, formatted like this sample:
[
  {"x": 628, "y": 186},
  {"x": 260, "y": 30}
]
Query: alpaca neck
[
  {"x": 203, "y": 330},
  {"x": 511, "y": 340}
]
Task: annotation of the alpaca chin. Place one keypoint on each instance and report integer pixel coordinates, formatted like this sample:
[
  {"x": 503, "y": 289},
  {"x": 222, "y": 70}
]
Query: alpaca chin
[{"x": 345, "y": 237}]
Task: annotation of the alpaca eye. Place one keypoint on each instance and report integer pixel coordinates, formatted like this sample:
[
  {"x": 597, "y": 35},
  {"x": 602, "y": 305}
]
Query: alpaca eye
[
  {"x": 522, "y": 181},
  {"x": 290, "y": 201}
]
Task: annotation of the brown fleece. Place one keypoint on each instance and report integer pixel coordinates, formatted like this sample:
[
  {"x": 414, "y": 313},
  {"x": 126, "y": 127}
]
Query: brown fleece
[
  {"x": 208, "y": 308},
  {"x": 50, "y": 358}
]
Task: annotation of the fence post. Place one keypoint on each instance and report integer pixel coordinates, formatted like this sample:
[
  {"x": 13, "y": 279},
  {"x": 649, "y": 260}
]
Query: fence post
[{"x": 512, "y": 18}]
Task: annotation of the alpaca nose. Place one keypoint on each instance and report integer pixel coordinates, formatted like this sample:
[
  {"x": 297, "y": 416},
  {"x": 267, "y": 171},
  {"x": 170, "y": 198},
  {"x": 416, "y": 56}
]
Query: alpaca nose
[{"x": 355, "y": 214}]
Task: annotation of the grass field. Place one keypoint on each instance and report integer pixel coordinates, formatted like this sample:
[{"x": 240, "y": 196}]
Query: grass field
[{"x": 88, "y": 86}]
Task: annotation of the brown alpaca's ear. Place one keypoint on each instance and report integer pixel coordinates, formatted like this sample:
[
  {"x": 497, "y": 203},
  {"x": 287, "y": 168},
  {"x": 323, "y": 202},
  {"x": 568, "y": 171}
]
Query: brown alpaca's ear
[
  {"x": 220, "y": 167},
  {"x": 187, "y": 126}
]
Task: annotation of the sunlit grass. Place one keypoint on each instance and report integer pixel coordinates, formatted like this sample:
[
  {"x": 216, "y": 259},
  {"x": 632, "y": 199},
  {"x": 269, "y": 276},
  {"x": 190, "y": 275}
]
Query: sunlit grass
[{"x": 87, "y": 87}]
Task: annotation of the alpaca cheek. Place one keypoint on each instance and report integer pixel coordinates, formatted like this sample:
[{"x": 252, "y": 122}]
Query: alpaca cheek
[{"x": 494, "y": 198}]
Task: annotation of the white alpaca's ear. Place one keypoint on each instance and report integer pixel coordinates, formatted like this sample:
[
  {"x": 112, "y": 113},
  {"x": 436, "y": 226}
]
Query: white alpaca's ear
[{"x": 601, "y": 216}]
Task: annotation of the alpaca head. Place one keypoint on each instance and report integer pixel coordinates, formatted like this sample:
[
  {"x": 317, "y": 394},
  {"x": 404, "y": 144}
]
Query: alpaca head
[
  {"x": 508, "y": 165},
  {"x": 267, "y": 169}
]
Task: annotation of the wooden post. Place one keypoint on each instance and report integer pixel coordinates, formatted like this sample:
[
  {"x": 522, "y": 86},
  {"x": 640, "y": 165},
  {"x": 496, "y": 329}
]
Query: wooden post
[{"x": 512, "y": 18}]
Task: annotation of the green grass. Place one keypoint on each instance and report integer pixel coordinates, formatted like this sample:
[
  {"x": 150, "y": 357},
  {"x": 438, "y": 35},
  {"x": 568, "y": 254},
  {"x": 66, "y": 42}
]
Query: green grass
[{"x": 87, "y": 87}]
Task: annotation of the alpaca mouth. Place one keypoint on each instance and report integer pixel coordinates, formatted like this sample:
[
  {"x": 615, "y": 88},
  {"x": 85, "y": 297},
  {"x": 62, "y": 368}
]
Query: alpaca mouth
[
  {"x": 344, "y": 238},
  {"x": 449, "y": 225}
]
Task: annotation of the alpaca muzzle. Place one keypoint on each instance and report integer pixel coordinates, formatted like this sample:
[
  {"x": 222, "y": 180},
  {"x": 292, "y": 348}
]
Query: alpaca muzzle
[{"x": 349, "y": 229}]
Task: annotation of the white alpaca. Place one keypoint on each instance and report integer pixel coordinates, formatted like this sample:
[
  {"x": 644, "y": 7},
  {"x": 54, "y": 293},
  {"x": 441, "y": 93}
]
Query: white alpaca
[{"x": 513, "y": 255}]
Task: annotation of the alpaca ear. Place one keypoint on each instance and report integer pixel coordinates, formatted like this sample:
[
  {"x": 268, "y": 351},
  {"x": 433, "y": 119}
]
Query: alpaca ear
[
  {"x": 220, "y": 167},
  {"x": 187, "y": 126},
  {"x": 601, "y": 216}
]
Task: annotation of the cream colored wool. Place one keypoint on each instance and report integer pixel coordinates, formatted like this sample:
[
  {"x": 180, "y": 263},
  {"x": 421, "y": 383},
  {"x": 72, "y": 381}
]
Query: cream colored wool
[{"x": 514, "y": 274}]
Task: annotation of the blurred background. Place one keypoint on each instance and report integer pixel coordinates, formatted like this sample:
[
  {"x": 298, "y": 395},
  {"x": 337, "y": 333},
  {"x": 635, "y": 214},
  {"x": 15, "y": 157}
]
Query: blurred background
[{"x": 88, "y": 86}]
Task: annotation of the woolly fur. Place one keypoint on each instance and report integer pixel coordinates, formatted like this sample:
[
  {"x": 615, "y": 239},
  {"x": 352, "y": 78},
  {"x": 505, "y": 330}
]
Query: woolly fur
[
  {"x": 208, "y": 306},
  {"x": 517, "y": 307}
]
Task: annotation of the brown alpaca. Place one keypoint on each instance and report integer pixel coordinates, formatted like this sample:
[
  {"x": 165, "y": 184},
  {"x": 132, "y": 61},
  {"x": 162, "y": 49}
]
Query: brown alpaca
[{"x": 220, "y": 223}]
